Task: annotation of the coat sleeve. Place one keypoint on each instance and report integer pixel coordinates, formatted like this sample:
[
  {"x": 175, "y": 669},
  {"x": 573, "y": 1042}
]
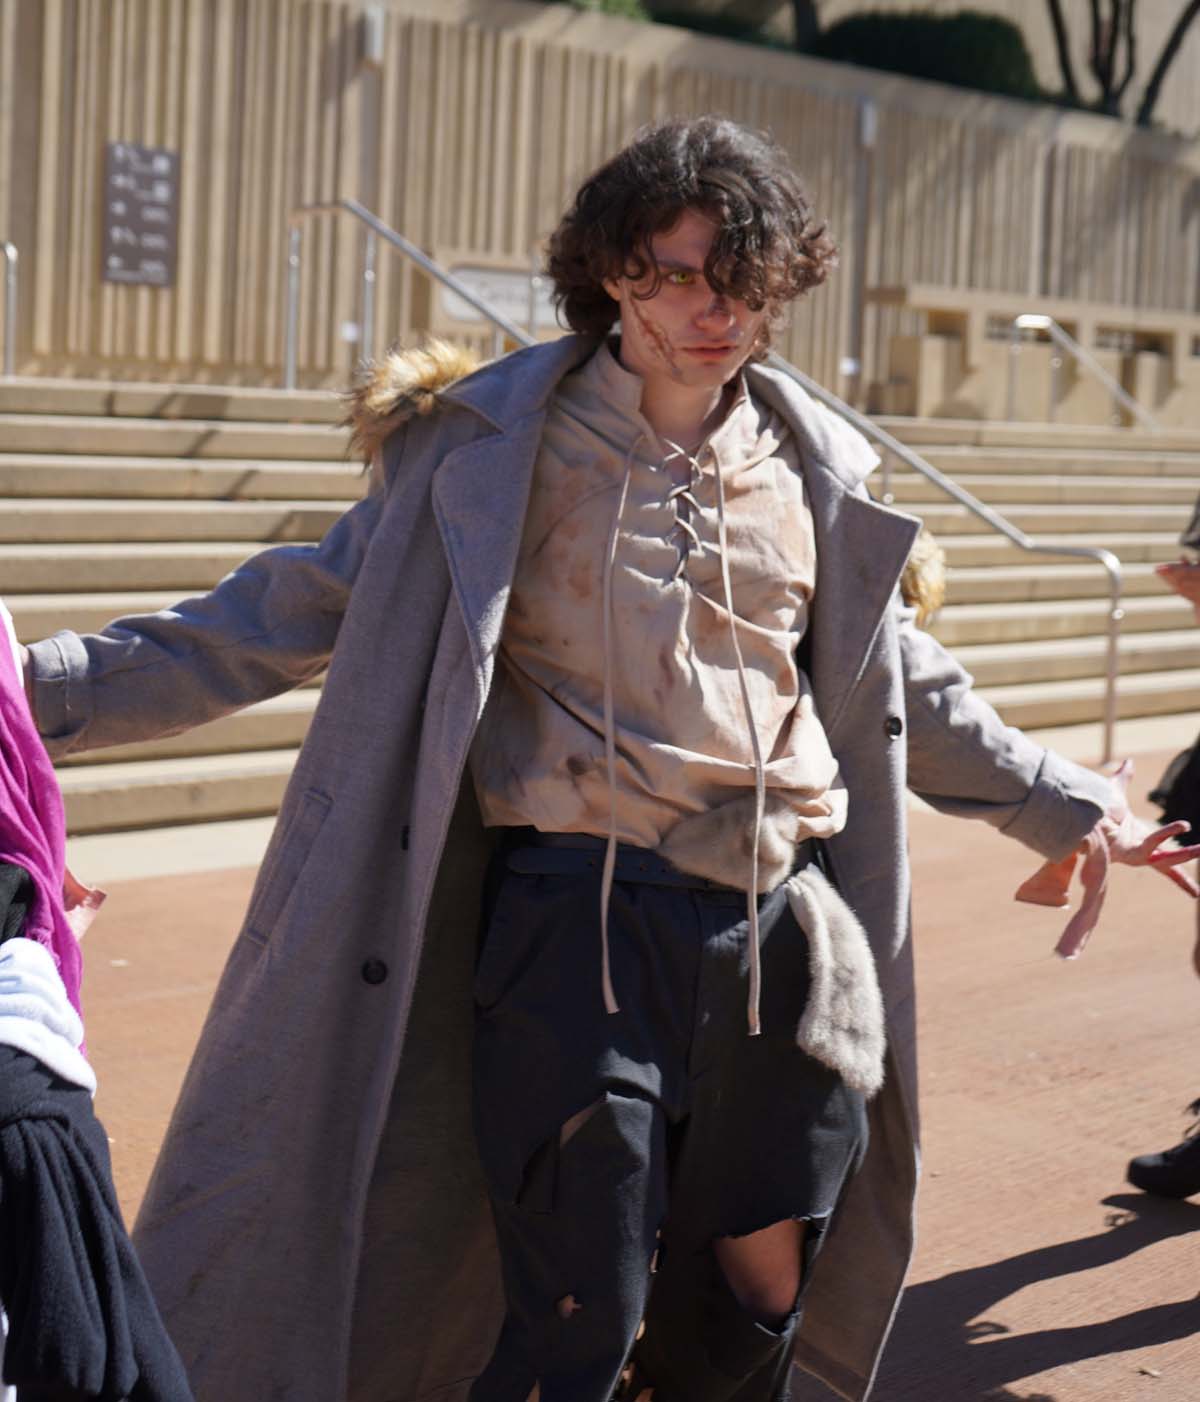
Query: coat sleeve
[
  {"x": 265, "y": 628},
  {"x": 963, "y": 759}
]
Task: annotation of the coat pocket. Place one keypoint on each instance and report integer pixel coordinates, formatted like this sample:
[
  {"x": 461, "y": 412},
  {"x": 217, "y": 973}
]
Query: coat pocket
[{"x": 285, "y": 862}]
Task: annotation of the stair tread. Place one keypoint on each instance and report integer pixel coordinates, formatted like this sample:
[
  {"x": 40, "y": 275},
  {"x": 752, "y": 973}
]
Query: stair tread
[
  {"x": 190, "y": 768},
  {"x": 1178, "y": 639},
  {"x": 1138, "y": 683}
]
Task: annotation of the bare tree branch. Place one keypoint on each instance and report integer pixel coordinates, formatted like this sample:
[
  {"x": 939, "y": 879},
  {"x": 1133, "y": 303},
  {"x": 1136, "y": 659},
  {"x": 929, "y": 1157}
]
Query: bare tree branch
[
  {"x": 1165, "y": 59},
  {"x": 1130, "y": 36},
  {"x": 1094, "y": 50},
  {"x": 806, "y": 25},
  {"x": 1063, "y": 44}
]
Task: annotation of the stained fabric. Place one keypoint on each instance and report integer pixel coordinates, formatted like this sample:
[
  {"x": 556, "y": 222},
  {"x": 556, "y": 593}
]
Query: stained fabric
[
  {"x": 684, "y": 757},
  {"x": 82, "y": 1321}
]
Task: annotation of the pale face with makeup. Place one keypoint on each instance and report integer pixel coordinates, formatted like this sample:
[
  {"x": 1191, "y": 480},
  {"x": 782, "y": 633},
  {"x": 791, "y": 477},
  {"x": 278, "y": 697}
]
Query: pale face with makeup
[{"x": 686, "y": 340}]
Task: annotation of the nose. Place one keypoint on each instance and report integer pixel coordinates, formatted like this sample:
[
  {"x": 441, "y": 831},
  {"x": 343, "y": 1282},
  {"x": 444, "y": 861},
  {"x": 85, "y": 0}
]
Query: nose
[{"x": 716, "y": 308}]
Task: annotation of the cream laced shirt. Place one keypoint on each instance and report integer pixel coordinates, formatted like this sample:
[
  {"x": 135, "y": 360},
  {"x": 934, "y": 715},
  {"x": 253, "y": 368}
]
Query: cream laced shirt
[{"x": 616, "y": 510}]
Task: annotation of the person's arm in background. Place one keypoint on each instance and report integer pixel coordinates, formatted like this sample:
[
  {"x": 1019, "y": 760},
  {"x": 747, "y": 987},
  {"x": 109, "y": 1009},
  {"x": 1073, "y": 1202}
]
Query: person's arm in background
[{"x": 1184, "y": 577}]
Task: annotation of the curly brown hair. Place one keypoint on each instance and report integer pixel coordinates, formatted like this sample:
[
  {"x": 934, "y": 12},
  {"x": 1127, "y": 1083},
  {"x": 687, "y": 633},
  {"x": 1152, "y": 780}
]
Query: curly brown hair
[{"x": 770, "y": 247}]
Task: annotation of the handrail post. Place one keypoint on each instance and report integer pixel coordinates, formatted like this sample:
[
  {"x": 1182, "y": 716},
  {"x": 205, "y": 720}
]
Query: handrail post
[
  {"x": 368, "y": 295},
  {"x": 1113, "y": 657},
  {"x": 10, "y": 309},
  {"x": 1014, "y": 351},
  {"x": 293, "y": 308}
]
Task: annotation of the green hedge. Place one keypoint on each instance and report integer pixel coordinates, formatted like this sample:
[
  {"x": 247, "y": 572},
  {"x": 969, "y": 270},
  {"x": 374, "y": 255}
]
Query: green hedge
[
  {"x": 969, "y": 49},
  {"x": 630, "y": 9}
]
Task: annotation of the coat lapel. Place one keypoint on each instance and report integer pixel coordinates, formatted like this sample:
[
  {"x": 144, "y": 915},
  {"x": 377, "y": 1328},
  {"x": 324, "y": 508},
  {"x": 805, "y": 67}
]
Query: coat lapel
[
  {"x": 479, "y": 497},
  {"x": 861, "y": 547},
  {"x": 861, "y": 551}
]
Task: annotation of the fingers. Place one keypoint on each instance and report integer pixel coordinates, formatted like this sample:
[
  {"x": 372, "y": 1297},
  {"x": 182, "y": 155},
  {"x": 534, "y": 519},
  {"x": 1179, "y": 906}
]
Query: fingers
[
  {"x": 1181, "y": 879},
  {"x": 1168, "y": 856}
]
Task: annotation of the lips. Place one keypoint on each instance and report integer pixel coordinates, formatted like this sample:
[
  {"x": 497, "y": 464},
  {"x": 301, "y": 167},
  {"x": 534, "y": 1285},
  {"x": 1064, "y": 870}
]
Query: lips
[{"x": 711, "y": 352}]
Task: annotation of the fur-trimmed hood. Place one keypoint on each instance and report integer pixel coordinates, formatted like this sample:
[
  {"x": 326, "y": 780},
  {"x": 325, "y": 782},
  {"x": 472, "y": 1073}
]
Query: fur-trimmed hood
[
  {"x": 388, "y": 392},
  {"x": 407, "y": 383}
]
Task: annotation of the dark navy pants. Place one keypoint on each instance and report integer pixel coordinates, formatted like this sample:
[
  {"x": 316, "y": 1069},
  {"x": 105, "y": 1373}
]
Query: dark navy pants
[{"x": 679, "y": 1127}]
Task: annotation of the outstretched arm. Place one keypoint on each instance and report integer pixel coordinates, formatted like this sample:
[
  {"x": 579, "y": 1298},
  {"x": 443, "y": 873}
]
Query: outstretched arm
[
  {"x": 264, "y": 629},
  {"x": 963, "y": 759}
]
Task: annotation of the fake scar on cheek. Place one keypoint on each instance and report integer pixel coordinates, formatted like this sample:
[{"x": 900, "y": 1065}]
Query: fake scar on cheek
[{"x": 658, "y": 341}]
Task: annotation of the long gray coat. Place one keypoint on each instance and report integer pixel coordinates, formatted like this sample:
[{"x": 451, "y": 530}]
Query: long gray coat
[{"x": 316, "y": 1227}]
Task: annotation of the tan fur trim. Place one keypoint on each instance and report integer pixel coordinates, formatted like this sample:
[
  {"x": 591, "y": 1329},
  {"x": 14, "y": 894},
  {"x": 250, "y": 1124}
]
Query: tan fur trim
[
  {"x": 388, "y": 392},
  {"x": 923, "y": 583}
]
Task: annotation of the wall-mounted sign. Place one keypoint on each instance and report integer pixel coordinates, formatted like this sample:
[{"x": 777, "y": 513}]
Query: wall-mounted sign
[
  {"x": 505, "y": 290},
  {"x": 141, "y": 214}
]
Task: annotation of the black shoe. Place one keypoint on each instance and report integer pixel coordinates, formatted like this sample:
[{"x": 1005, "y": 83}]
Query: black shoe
[{"x": 1175, "y": 1173}]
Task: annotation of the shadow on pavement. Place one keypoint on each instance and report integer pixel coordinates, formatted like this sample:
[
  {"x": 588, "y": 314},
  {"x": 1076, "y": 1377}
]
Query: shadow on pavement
[{"x": 943, "y": 1339}]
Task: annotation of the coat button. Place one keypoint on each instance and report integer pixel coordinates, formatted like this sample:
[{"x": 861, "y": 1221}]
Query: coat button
[
  {"x": 374, "y": 971},
  {"x": 893, "y": 727}
]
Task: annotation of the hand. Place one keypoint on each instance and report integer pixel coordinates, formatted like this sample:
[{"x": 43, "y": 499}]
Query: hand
[
  {"x": 1184, "y": 577},
  {"x": 1119, "y": 836},
  {"x": 1136, "y": 842}
]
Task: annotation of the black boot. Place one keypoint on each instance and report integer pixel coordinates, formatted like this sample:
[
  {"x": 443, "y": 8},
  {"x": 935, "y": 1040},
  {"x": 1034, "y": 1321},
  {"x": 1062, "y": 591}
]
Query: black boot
[{"x": 1175, "y": 1173}]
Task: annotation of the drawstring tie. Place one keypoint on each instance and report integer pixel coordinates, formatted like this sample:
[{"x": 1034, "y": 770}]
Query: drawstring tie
[
  {"x": 760, "y": 777},
  {"x": 679, "y": 493},
  {"x": 610, "y": 744}
]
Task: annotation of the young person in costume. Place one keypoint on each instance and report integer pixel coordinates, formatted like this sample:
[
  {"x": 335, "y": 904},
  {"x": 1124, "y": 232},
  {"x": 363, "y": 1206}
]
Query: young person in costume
[{"x": 617, "y": 676}]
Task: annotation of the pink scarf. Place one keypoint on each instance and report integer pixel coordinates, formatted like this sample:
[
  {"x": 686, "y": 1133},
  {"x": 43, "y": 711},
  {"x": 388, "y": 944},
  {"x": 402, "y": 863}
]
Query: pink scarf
[{"x": 32, "y": 825}]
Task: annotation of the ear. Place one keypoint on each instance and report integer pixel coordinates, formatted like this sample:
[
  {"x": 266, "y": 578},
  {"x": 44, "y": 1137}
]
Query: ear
[{"x": 613, "y": 288}]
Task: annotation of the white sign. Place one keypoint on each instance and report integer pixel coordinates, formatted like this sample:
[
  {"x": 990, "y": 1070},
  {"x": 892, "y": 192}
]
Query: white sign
[{"x": 506, "y": 291}]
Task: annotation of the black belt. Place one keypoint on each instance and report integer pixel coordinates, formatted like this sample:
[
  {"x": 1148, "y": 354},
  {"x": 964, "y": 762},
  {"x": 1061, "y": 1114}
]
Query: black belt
[{"x": 533, "y": 853}]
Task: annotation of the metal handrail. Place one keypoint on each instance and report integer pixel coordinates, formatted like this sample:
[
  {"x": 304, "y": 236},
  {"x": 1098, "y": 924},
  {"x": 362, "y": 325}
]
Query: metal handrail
[
  {"x": 1038, "y": 321},
  {"x": 991, "y": 518},
  {"x": 376, "y": 228},
  {"x": 8, "y": 363}
]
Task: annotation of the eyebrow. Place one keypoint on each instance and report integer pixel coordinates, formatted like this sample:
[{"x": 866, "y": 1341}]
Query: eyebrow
[{"x": 675, "y": 265}]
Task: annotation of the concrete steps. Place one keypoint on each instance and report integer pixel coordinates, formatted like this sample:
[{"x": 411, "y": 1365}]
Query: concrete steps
[
  {"x": 960, "y": 624},
  {"x": 175, "y": 438},
  {"x": 1080, "y": 701},
  {"x": 1032, "y": 628},
  {"x": 1050, "y": 489},
  {"x": 196, "y": 789},
  {"x": 74, "y": 476},
  {"x": 1024, "y": 462},
  {"x": 1065, "y": 659},
  {"x": 30, "y": 520},
  {"x": 279, "y": 722},
  {"x": 984, "y": 548},
  {"x": 122, "y": 499}
]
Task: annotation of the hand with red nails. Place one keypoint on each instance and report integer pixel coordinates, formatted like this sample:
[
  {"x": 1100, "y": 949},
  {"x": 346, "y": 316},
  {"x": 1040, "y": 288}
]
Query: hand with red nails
[{"x": 1120, "y": 836}]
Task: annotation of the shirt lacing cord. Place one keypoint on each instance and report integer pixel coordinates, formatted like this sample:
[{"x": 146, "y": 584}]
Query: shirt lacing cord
[
  {"x": 682, "y": 492},
  {"x": 682, "y": 495}
]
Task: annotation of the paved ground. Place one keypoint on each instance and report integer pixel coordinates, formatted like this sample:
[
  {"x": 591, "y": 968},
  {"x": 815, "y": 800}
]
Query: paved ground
[{"x": 1038, "y": 1276}]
